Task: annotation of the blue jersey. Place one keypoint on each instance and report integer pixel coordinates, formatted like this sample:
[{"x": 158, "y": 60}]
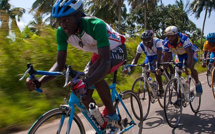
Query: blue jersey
[{"x": 183, "y": 42}]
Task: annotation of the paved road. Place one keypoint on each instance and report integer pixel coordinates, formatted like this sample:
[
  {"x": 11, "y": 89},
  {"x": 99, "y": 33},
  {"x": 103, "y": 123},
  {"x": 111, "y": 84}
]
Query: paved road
[{"x": 202, "y": 123}]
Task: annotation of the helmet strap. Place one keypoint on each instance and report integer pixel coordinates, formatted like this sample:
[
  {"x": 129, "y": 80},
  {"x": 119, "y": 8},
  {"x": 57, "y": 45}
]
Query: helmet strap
[{"x": 78, "y": 17}]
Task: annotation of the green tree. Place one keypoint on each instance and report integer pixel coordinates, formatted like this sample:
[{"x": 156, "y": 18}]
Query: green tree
[
  {"x": 197, "y": 6},
  {"x": 4, "y": 17},
  {"x": 144, "y": 5},
  {"x": 112, "y": 11},
  {"x": 43, "y": 7},
  {"x": 13, "y": 13},
  {"x": 5, "y": 14},
  {"x": 162, "y": 17}
]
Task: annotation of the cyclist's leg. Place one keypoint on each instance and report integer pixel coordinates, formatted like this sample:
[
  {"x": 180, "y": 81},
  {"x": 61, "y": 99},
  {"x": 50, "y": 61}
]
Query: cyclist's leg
[
  {"x": 146, "y": 66},
  {"x": 118, "y": 57},
  {"x": 158, "y": 77},
  {"x": 194, "y": 74},
  {"x": 211, "y": 62}
]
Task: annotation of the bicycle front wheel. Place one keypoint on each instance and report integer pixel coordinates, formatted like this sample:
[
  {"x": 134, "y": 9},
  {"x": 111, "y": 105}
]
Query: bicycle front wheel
[
  {"x": 131, "y": 115},
  {"x": 195, "y": 100},
  {"x": 213, "y": 82},
  {"x": 209, "y": 75},
  {"x": 172, "y": 109},
  {"x": 143, "y": 94},
  {"x": 52, "y": 120}
]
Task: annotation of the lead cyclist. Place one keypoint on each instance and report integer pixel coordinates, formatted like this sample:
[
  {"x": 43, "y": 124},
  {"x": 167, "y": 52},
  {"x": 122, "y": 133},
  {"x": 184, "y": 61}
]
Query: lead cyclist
[{"x": 89, "y": 34}]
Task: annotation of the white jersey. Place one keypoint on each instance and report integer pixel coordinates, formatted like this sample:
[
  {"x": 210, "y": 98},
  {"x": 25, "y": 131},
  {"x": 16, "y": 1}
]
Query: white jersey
[{"x": 157, "y": 44}]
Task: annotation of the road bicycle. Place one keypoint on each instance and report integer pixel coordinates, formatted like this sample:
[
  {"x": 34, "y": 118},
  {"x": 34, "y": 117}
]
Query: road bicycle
[
  {"x": 180, "y": 92},
  {"x": 148, "y": 91},
  {"x": 65, "y": 120},
  {"x": 211, "y": 75}
]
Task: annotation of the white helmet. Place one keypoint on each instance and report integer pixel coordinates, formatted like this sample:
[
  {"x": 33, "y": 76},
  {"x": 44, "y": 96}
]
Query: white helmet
[{"x": 171, "y": 30}]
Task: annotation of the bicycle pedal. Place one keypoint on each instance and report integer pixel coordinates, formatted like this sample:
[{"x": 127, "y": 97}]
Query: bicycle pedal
[{"x": 125, "y": 122}]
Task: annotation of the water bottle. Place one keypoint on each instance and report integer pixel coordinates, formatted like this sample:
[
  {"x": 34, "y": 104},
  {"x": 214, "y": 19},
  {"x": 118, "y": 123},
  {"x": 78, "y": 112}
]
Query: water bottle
[
  {"x": 94, "y": 111},
  {"x": 187, "y": 87}
]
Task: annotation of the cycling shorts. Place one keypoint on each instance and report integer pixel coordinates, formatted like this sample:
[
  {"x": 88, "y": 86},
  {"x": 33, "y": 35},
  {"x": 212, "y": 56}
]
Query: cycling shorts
[
  {"x": 150, "y": 59},
  {"x": 184, "y": 56},
  {"x": 118, "y": 57}
]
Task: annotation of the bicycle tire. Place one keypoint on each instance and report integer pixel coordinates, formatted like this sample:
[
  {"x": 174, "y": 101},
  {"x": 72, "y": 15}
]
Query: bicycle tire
[
  {"x": 196, "y": 102},
  {"x": 45, "y": 119},
  {"x": 134, "y": 109},
  {"x": 209, "y": 76},
  {"x": 170, "y": 98},
  {"x": 143, "y": 95},
  {"x": 164, "y": 83},
  {"x": 213, "y": 82}
]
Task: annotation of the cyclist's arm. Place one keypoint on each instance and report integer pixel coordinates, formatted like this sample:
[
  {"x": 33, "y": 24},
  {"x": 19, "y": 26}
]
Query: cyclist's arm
[
  {"x": 136, "y": 58},
  {"x": 159, "y": 54},
  {"x": 205, "y": 54},
  {"x": 58, "y": 66},
  {"x": 189, "y": 52},
  {"x": 166, "y": 54},
  {"x": 61, "y": 55},
  {"x": 101, "y": 66}
]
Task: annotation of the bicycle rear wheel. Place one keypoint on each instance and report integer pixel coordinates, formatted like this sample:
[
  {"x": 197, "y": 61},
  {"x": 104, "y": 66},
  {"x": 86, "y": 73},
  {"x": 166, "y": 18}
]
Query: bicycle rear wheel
[
  {"x": 209, "y": 75},
  {"x": 49, "y": 123},
  {"x": 131, "y": 115},
  {"x": 195, "y": 100},
  {"x": 172, "y": 110},
  {"x": 143, "y": 94},
  {"x": 213, "y": 82}
]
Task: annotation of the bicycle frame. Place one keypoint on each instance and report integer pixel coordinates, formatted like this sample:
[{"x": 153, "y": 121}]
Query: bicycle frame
[
  {"x": 180, "y": 83},
  {"x": 144, "y": 75},
  {"x": 74, "y": 100}
]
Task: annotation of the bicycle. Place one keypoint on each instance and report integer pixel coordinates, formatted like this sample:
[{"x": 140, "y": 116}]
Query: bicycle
[
  {"x": 211, "y": 75},
  {"x": 122, "y": 102},
  {"x": 146, "y": 91},
  {"x": 177, "y": 89}
]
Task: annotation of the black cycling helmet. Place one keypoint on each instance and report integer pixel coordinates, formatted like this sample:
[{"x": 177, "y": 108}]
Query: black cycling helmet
[{"x": 147, "y": 34}]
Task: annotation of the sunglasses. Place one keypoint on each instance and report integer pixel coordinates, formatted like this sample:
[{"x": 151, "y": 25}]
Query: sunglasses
[{"x": 147, "y": 42}]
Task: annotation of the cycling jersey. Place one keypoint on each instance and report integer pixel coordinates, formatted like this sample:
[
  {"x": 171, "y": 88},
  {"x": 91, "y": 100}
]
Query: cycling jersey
[
  {"x": 183, "y": 42},
  {"x": 96, "y": 34},
  {"x": 157, "y": 44},
  {"x": 208, "y": 47}
]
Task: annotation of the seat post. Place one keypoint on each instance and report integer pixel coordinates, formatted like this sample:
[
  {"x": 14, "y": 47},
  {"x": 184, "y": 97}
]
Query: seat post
[{"x": 114, "y": 76}]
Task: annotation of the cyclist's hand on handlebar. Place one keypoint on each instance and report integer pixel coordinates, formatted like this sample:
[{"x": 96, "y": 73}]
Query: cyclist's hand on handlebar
[
  {"x": 127, "y": 70},
  {"x": 203, "y": 63},
  {"x": 30, "y": 83},
  {"x": 79, "y": 87}
]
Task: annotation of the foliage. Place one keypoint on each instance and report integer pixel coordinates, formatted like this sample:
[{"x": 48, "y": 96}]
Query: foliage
[
  {"x": 197, "y": 6},
  {"x": 43, "y": 8},
  {"x": 162, "y": 17}
]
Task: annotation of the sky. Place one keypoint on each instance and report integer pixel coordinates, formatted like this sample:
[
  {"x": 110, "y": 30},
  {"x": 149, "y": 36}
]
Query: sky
[{"x": 209, "y": 24}]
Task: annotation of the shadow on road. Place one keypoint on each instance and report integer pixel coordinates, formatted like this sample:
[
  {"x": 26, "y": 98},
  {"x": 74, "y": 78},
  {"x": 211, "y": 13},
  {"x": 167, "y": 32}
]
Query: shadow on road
[{"x": 203, "y": 122}]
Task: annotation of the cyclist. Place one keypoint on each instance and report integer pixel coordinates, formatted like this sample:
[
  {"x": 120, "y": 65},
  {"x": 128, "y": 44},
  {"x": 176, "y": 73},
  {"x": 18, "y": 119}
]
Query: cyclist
[
  {"x": 182, "y": 46},
  {"x": 209, "y": 47},
  {"x": 152, "y": 47},
  {"x": 93, "y": 35}
]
